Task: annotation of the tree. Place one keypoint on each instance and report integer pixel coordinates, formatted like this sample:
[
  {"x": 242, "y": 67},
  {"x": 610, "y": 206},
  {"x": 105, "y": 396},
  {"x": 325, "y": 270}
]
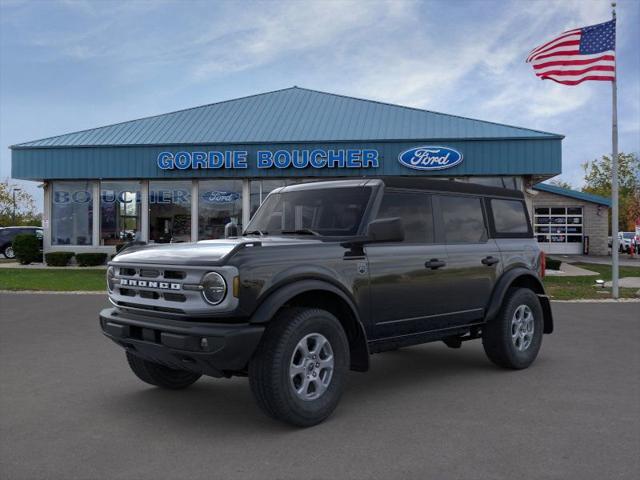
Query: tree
[
  {"x": 25, "y": 207},
  {"x": 558, "y": 182},
  {"x": 597, "y": 180}
]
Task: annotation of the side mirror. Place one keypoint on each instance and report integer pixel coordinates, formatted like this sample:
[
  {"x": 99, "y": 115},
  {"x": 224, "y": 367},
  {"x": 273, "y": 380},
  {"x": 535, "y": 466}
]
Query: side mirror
[
  {"x": 385, "y": 230},
  {"x": 230, "y": 230}
]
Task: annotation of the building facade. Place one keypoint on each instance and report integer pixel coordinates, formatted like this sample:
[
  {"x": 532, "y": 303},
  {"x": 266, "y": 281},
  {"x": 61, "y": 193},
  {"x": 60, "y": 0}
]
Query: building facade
[
  {"x": 182, "y": 176},
  {"x": 570, "y": 222}
]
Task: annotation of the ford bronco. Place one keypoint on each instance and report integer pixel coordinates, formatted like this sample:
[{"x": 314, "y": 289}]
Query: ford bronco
[{"x": 326, "y": 274}]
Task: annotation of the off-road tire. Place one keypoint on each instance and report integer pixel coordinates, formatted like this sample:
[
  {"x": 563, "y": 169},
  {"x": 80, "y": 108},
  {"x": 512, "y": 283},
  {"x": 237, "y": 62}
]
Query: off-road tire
[
  {"x": 159, "y": 375},
  {"x": 269, "y": 374},
  {"x": 497, "y": 334}
]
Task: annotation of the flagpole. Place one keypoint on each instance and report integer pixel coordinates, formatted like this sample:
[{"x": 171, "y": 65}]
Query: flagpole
[{"x": 614, "y": 177}]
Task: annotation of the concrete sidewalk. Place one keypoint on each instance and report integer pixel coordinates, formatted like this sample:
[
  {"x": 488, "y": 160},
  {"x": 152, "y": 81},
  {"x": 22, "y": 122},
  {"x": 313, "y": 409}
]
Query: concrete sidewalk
[{"x": 568, "y": 270}]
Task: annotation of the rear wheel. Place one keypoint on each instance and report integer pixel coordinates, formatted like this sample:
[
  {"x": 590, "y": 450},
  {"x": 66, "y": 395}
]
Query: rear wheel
[
  {"x": 159, "y": 375},
  {"x": 298, "y": 373},
  {"x": 8, "y": 252},
  {"x": 513, "y": 338}
]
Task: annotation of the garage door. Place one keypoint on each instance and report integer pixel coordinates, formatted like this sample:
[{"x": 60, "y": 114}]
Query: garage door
[{"x": 558, "y": 229}]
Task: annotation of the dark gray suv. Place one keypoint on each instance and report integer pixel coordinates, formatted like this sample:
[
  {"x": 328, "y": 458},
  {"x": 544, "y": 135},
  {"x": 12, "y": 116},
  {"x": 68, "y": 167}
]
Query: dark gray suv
[{"x": 326, "y": 274}]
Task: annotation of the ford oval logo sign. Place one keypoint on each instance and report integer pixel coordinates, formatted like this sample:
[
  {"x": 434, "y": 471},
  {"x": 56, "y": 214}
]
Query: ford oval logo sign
[{"x": 430, "y": 158}]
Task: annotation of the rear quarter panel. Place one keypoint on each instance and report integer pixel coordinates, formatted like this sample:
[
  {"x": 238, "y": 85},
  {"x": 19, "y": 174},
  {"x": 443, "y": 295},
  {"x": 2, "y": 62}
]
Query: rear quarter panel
[{"x": 519, "y": 252}]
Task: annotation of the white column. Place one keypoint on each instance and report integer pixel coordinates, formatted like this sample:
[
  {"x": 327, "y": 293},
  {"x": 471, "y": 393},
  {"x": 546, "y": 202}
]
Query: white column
[
  {"x": 95, "y": 228},
  {"x": 144, "y": 210},
  {"x": 46, "y": 216},
  {"x": 246, "y": 203},
  {"x": 194, "y": 210}
]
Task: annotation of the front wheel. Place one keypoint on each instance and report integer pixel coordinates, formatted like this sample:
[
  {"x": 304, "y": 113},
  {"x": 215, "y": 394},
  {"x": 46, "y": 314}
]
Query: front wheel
[
  {"x": 298, "y": 373},
  {"x": 159, "y": 375},
  {"x": 513, "y": 338}
]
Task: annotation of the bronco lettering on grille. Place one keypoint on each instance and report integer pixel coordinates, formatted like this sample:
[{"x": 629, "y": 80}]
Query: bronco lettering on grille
[{"x": 128, "y": 282}]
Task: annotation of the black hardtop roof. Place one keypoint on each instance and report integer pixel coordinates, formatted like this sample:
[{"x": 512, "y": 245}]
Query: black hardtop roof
[
  {"x": 418, "y": 183},
  {"x": 414, "y": 183}
]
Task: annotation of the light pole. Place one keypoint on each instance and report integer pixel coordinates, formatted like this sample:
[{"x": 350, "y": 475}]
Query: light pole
[{"x": 14, "y": 203}]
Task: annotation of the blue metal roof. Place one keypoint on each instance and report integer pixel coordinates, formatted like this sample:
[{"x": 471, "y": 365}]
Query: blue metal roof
[
  {"x": 291, "y": 115},
  {"x": 565, "y": 192}
]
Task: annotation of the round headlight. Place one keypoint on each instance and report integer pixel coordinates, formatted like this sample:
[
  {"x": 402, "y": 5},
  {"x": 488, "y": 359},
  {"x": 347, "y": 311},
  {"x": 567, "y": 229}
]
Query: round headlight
[
  {"x": 214, "y": 288},
  {"x": 111, "y": 273}
]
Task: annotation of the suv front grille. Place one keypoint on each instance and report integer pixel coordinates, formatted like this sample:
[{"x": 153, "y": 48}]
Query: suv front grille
[{"x": 171, "y": 289}]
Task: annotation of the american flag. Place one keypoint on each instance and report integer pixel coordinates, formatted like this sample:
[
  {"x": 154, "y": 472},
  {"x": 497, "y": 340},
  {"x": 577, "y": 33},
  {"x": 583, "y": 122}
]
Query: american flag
[{"x": 587, "y": 53}]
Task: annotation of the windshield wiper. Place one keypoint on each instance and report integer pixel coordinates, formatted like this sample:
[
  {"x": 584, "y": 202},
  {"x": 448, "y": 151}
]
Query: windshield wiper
[
  {"x": 301, "y": 231},
  {"x": 255, "y": 232}
]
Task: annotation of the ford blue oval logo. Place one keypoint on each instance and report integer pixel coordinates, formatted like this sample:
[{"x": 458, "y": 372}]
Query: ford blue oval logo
[
  {"x": 220, "y": 197},
  {"x": 430, "y": 158}
]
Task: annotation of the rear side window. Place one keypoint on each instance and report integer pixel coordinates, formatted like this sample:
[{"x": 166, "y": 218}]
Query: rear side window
[
  {"x": 463, "y": 219},
  {"x": 509, "y": 216},
  {"x": 415, "y": 211}
]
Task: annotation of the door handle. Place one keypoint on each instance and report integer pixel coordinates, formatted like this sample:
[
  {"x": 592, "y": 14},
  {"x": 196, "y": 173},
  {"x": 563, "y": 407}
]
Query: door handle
[
  {"x": 488, "y": 261},
  {"x": 434, "y": 264}
]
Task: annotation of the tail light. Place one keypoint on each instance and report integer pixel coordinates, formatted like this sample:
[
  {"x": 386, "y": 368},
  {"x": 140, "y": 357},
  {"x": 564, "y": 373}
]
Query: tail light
[{"x": 542, "y": 264}]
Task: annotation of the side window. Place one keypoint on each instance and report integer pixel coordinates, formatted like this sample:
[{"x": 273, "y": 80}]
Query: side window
[
  {"x": 415, "y": 211},
  {"x": 463, "y": 219},
  {"x": 509, "y": 216}
]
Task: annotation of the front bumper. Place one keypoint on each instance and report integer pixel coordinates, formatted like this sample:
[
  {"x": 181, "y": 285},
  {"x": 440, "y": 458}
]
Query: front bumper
[{"x": 213, "y": 349}]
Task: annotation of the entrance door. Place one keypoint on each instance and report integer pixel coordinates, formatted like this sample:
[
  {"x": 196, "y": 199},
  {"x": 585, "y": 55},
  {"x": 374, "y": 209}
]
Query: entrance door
[
  {"x": 558, "y": 229},
  {"x": 407, "y": 293}
]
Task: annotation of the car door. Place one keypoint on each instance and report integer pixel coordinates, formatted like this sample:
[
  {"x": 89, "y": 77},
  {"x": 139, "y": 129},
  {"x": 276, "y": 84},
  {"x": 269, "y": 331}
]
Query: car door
[
  {"x": 406, "y": 290},
  {"x": 473, "y": 258}
]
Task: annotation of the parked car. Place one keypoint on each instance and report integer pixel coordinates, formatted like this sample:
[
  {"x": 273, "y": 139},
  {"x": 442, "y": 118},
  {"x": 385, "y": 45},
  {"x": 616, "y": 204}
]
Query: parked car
[
  {"x": 7, "y": 234},
  {"x": 326, "y": 274},
  {"x": 625, "y": 241}
]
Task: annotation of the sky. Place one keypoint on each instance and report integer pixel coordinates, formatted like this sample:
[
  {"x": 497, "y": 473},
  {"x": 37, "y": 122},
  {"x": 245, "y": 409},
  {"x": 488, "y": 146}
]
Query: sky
[{"x": 72, "y": 65}]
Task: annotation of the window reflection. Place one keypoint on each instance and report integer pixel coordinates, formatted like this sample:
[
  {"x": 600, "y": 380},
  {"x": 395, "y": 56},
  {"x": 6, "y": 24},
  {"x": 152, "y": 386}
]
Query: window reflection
[
  {"x": 72, "y": 213},
  {"x": 119, "y": 212},
  {"x": 219, "y": 202},
  {"x": 170, "y": 211}
]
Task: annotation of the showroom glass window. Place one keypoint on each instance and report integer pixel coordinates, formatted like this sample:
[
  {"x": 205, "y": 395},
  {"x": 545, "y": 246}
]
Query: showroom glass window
[
  {"x": 71, "y": 213},
  {"x": 219, "y": 202},
  {"x": 169, "y": 212},
  {"x": 119, "y": 212}
]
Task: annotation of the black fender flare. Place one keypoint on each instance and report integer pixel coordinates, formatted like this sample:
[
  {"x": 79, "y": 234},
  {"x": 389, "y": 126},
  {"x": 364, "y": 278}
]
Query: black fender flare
[
  {"x": 282, "y": 294},
  {"x": 521, "y": 277}
]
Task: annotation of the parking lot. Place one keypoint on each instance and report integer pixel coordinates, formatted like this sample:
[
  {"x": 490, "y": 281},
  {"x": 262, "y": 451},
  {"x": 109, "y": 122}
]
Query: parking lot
[{"x": 71, "y": 409}]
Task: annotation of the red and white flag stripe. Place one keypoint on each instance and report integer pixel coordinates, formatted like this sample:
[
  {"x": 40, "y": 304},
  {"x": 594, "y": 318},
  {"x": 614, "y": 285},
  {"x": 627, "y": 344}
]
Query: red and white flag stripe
[{"x": 560, "y": 60}]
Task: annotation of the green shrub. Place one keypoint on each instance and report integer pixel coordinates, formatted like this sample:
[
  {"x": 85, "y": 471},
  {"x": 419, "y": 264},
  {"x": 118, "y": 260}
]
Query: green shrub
[
  {"x": 27, "y": 248},
  {"x": 90, "y": 259},
  {"x": 58, "y": 259},
  {"x": 553, "y": 264}
]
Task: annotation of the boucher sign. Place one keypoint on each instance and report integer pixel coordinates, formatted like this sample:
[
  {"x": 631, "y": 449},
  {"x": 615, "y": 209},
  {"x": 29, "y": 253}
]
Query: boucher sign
[{"x": 266, "y": 159}]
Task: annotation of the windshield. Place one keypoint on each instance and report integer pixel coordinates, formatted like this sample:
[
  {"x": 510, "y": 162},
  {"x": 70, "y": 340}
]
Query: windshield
[
  {"x": 628, "y": 234},
  {"x": 325, "y": 212}
]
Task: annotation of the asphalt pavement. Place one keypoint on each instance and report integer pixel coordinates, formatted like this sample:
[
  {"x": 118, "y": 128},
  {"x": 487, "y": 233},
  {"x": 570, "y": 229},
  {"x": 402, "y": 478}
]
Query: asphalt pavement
[{"x": 71, "y": 409}]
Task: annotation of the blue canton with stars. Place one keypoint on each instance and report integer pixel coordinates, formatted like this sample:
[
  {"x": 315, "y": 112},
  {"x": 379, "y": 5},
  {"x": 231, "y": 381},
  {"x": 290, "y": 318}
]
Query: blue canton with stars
[{"x": 598, "y": 38}]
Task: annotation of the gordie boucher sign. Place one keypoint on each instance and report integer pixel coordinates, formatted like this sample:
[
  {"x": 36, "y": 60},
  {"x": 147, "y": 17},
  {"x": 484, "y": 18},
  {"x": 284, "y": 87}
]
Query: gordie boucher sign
[{"x": 417, "y": 158}]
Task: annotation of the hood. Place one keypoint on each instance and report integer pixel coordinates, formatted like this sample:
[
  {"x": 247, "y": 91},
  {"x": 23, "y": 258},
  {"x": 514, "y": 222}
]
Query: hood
[{"x": 205, "y": 252}]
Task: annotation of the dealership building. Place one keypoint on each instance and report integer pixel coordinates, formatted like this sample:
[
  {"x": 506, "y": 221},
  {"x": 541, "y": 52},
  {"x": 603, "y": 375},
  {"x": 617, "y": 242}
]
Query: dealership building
[{"x": 183, "y": 176}]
